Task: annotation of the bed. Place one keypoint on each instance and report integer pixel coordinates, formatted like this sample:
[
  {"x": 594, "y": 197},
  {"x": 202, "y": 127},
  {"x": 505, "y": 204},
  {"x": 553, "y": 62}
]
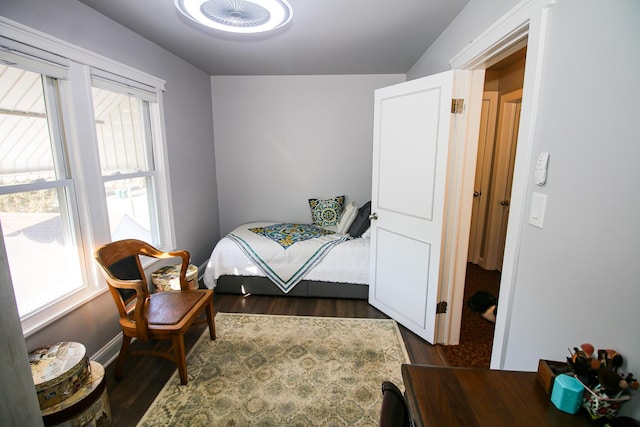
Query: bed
[{"x": 327, "y": 264}]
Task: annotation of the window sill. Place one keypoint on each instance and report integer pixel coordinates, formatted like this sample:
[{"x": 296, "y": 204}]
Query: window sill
[{"x": 44, "y": 318}]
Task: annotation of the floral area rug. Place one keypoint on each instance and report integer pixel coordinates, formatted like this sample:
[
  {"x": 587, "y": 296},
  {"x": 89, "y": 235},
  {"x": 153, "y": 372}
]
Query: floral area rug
[{"x": 266, "y": 370}]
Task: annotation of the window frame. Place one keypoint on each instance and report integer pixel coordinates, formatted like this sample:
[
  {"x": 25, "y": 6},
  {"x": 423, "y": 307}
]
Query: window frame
[
  {"x": 74, "y": 66},
  {"x": 145, "y": 101}
]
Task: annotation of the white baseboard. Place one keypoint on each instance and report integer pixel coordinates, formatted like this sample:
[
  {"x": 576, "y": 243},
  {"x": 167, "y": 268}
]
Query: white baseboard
[{"x": 109, "y": 352}]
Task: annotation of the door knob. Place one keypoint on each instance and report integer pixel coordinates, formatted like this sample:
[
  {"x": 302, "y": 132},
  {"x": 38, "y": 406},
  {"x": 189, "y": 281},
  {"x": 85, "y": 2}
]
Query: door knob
[
  {"x": 504, "y": 203},
  {"x": 476, "y": 194},
  {"x": 373, "y": 216}
]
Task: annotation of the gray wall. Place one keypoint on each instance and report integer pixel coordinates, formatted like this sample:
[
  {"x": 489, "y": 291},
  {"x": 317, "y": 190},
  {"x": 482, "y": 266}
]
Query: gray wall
[
  {"x": 281, "y": 140},
  {"x": 187, "y": 107},
  {"x": 576, "y": 279},
  {"x": 476, "y": 16}
]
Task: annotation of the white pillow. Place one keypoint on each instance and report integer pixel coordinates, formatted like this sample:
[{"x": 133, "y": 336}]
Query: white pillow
[{"x": 348, "y": 216}]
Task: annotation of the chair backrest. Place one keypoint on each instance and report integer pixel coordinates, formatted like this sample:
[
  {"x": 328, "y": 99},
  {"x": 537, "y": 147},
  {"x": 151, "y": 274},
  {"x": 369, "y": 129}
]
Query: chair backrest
[
  {"x": 121, "y": 260},
  {"x": 394, "y": 412},
  {"x": 127, "y": 269}
]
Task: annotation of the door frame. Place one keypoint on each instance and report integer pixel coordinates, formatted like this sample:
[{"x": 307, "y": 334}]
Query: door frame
[{"x": 525, "y": 24}]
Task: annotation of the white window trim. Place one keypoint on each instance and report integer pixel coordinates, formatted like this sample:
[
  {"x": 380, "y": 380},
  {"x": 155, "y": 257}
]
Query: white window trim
[
  {"x": 93, "y": 217},
  {"x": 113, "y": 83},
  {"x": 12, "y": 52}
]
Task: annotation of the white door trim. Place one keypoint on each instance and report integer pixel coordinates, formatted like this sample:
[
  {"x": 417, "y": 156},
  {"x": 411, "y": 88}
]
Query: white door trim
[
  {"x": 524, "y": 24},
  {"x": 458, "y": 209}
]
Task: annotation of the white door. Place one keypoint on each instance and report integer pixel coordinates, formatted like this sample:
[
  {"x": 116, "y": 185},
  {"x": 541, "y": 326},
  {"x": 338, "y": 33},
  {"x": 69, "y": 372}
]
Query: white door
[
  {"x": 410, "y": 151},
  {"x": 498, "y": 214},
  {"x": 486, "y": 141}
]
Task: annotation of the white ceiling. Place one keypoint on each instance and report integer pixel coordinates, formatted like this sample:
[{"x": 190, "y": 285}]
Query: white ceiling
[{"x": 324, "y": 37}]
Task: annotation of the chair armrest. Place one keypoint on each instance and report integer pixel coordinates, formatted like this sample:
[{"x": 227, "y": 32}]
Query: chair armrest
[
  {"x": 186, "y": 258},
  {"x": 135, "y": 315}
]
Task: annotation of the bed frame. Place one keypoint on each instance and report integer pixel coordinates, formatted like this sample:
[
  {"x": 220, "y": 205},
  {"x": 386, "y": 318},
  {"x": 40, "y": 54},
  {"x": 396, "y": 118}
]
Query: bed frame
[{"x": 306, "y": 288}]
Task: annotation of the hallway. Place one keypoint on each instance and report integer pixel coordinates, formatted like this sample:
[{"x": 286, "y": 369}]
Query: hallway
[{"x": 476, "y": 334}]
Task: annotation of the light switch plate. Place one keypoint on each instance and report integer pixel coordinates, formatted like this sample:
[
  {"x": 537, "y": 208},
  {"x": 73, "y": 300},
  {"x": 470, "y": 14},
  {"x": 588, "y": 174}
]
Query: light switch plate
[{"x": 538, "y": 206}]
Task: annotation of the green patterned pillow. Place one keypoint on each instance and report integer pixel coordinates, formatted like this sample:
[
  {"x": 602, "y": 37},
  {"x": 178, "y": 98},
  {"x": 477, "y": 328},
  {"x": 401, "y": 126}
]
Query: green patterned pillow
[{"x": 325, "y": 212}]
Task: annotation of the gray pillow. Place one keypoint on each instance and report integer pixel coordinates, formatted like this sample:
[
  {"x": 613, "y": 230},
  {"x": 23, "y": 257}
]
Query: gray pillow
[{"x": 362, "y": 221}]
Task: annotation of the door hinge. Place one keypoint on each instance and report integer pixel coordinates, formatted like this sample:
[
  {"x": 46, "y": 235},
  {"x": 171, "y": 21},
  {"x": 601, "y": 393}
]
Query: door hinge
[
  {"x": 457, "y": 105},
  {"x": 441, "y": 307}
]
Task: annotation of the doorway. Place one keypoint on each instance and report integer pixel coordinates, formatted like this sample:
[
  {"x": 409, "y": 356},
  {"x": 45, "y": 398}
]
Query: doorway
[
  {"x": 497, "y": 144},
  {"x": 499, "y": 125}
]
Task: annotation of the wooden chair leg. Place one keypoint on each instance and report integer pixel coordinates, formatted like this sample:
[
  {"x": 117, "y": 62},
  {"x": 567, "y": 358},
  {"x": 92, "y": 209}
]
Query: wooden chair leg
[
  {"x": 181, "y": 358},
  {"x": 124, "y": 350},
  {"x": 211, "y": 321}
]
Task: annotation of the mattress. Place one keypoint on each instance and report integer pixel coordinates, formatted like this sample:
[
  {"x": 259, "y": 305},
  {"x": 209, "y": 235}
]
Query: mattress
[{"x": 346, "y": 263}]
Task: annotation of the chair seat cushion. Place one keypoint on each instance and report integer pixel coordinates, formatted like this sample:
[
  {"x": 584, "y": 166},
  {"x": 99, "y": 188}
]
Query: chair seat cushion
[{"x": 168, "y": 308}]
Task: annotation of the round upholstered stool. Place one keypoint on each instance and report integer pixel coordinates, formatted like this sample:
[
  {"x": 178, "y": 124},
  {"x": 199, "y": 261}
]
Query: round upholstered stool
[{"x": 168, "y": 278}]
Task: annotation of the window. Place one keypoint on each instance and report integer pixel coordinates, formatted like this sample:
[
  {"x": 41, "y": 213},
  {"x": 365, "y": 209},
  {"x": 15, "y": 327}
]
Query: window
[
  {"x": 123, "y": 125},
  {"x": 36, "y": 195},
  {"x": 81, "y": 163}
]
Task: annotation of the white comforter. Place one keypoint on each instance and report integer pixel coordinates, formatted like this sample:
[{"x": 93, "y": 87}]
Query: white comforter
[{"x": 347, "y": 262}]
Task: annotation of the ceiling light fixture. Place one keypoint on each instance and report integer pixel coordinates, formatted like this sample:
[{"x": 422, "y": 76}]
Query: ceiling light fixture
[{"x": 237, "y": 16}]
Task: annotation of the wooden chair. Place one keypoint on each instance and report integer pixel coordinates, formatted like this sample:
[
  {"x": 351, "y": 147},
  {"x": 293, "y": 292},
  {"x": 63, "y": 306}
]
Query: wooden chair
[
  {"x": 394, "y": 412},
  {"x": 145, "y": 316}
]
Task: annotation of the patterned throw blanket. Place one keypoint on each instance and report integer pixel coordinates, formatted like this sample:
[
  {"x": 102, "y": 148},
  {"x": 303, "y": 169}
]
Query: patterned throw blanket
[{"x": 285, "y": 252}]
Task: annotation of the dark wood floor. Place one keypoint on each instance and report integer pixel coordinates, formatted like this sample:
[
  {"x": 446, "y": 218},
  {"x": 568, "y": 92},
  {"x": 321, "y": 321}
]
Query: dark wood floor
[{"x": 144, "y": 377}]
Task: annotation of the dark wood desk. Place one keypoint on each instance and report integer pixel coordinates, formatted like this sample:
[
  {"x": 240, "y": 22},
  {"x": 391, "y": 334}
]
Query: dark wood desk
[{"x": 444, "y": 396}]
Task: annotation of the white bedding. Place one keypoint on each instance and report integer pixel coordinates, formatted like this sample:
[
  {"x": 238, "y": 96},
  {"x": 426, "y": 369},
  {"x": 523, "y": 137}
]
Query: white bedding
[{"x": 347, "y": 262}]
